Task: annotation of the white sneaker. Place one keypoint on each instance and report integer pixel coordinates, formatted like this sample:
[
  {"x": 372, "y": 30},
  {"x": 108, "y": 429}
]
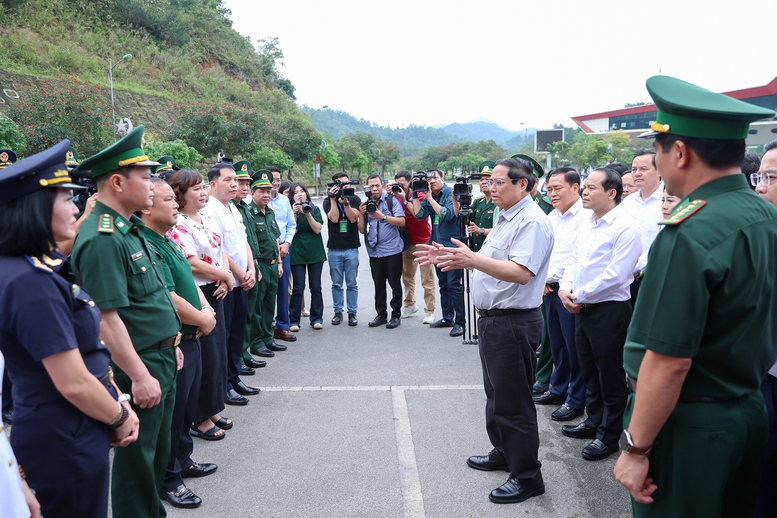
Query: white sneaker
[
  {"x": 294, "y": 329},
  {"x": 305, "y": 313},
  {"x": 409, "y": 310},
  {"x": 318, "y": 325},
  {"x": 429, "y": 318}
]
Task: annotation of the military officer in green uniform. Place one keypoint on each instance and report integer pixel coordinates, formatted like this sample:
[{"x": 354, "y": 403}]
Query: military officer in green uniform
[
  {"x": 140, "y": 325},
  {"x": 702, "y": 336},
  {"x": 266, "y": 232},
  {"x": 482, "y": 209},
  {"x": 242, "y": 171}
]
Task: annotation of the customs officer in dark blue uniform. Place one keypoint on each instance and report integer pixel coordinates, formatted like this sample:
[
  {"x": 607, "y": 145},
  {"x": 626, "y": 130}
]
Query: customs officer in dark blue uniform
[{"x": 66, "y": 412}]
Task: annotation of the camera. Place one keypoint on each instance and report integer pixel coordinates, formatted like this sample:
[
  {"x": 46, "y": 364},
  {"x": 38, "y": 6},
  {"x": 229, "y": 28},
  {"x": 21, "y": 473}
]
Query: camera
[
  {"x": 419, "y": 183},
  {"x": 306, "y": 206},
  {"x": 462, "y": 189},
  {"x": 221, "y": 158},
  {"x": 82, "y": 178},
  {"x": 396, "y": 188},
  {"x": 343, "y": 188},
  {"x": 372, "y": 206}
]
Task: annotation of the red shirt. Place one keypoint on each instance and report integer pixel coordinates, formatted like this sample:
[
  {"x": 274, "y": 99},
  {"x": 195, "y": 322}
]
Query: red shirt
[{"x": 419, "y": 230}]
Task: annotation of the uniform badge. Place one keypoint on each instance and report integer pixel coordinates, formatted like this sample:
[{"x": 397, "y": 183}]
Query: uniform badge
[
  {"x": 76, "y": 290},
  {"x": 683, "y": 212},
  {"x": 37, "y": 264},
  {"x": 137, "y": 255},
  {"x": 106, "y": 224}
]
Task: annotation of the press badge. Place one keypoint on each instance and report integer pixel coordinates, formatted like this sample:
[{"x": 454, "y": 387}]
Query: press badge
[
  {"x": 436, "y": 219},
  {"x": 343, "y": 226}
]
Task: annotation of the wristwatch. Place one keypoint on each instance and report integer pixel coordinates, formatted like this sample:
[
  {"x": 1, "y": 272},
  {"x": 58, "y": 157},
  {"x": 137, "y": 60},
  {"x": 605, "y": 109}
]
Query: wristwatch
[
  {"x": 384, "y": 217},
  {"x": 627, "y": 445},
  {"x": 482, "y": 231}
]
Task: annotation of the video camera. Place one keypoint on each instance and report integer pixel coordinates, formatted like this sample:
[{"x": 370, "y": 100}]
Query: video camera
[
  {"x": 342, "y": 188},
  {"x": 462, "y": 189},
  {"x": 82, "y": 178},
  {"x": 419, "y": 183},
  {"x": 221, "y": 158}
]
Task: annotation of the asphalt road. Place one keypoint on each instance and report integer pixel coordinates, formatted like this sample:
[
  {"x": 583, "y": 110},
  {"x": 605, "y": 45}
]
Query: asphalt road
[{"x": 371, "y": 422}]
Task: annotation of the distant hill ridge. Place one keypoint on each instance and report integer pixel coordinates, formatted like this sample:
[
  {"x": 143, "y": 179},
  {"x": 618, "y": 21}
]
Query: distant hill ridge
[{"x": 411, "y": 139}]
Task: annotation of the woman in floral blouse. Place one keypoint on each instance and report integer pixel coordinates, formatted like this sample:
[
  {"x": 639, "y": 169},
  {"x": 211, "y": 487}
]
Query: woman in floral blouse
[{"x": 202, "y": 247}]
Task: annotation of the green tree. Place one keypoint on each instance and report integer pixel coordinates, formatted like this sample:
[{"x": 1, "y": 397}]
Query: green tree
[
  {"x": 62, "y": 108},
  {"x": 330, "y": 160},
  {"x": 185, "y": 157},
  {"x": 10, "y": 136},
  {"x": 266, "y": 157},
  {"x": 470, "y": 162}
]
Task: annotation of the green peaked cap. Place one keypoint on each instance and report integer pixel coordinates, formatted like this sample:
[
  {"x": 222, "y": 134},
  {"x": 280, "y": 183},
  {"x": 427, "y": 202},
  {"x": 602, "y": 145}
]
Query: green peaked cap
[
  {"x": 125, "y": 152},
  {"x": 166, "y": 163},
  {"x": 72, "y": 156},
  {"x": 487, "y": 167},
  {"x": 261, "y": 178},
  {"x": 242, "y": 169},
  {"x": 539, "y": 172},
  {"x": 688, "y": 110}
]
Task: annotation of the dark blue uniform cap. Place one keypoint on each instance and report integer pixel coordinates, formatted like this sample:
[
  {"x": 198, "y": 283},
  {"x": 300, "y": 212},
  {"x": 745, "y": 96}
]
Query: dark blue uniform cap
[{"x": 44, "y": 170}]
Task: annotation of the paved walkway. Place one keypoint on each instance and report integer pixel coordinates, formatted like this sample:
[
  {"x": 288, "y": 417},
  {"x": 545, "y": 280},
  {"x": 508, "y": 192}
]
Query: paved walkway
[{"x": 362, "y": 422}]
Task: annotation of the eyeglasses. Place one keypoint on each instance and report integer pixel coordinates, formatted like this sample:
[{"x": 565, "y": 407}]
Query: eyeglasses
[
  {"x": 766, "y": 179},
  {"x": 499, "y": 182}
]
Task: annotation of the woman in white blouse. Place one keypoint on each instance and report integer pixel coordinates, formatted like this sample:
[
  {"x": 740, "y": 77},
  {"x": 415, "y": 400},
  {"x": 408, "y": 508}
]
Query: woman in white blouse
[{"x": 202, "y": 247}]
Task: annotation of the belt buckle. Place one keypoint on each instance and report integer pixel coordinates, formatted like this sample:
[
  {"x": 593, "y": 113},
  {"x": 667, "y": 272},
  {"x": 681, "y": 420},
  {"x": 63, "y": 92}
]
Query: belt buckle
[{"x": 178, "y": 339}]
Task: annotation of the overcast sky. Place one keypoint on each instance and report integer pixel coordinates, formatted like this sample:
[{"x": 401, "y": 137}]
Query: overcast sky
[{"x": 540, "y": 62}]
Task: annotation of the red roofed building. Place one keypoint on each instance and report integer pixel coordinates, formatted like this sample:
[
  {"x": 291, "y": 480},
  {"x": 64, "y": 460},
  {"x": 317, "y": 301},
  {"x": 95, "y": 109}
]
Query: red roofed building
[{"x": 637, "y": 119}]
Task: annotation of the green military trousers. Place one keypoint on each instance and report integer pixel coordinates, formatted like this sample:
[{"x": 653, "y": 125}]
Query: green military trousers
[
  {"x": 707, "y": 459},
  {"x": 544, "y": 366},
  {"x": 139, "y": 469},
  {"x": 260, "y": 330}
]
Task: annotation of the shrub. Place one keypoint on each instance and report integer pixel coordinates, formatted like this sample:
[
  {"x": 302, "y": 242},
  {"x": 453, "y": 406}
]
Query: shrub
[{"x": 10, "y": 136}]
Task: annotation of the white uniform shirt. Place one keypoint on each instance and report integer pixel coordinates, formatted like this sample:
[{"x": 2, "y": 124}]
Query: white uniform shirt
[
  {"x": 524, "y": 235},
  {"x": 233, "y": 231},
  {"x": 565, "y": 229},
  {"x": 647, "y": 213},
  {"x": 603, "y": 259}
]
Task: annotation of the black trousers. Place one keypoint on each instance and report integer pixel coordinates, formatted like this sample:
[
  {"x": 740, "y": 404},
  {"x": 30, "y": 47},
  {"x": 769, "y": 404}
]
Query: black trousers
[
  {"x": 600, "y": 332},
  {"x": 187, "y": 390},
  {"x": 389, "y": 269},
  {"x": 235, "y": 318},
  {"x": 213, "y": 386},
  {"x": 506, "y": 345}
]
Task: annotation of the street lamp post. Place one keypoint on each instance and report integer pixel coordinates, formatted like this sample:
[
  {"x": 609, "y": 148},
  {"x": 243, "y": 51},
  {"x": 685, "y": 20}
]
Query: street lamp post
[
  {"x": 111, "y": 66},
  {"x": 525, "y": 134}
]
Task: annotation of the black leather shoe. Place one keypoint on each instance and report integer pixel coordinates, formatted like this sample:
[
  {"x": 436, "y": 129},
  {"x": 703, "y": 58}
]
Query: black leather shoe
[
  {"x": 246, "y": 371},
  {"x": 337, "y": 319},
  {"x": 276, "y": 347},
  {"x": 548, "y": 398},
  {"x": 441, "y": 323},
  {"x": 182, "y": 497},
  {"x": 199, "y": 470},
  {"x": 457, "y": 330},
  {"x": 514, "y": 491},
  {"x": 352, "y": 320},
  {"x": 378, "y": 321},
  {"x": 393, "y": 323},
  {"x": 280, "y": 334},
  {"x": 597, "y": 450},
  {"x": 566, "y": 413},
  {"x": 235, "y": 399},
  {"x": 539, "y": 387},
  {"x": 264, "y": 352},
  {"x": 8, "y": 416},
  {"x": 580, "y": 431},
  {"x": 494, "y": 461},
  {"x": 244, "y": 390},
  {"x": 255, "y": 364}
]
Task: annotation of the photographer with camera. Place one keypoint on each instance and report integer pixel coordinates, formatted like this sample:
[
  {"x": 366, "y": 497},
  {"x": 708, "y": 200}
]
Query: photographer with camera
[
  {"x": 383, "y": 215},
  {"x": 307, "y": 252},
  {"x": 344, "y": 222},
  {"x": 439, "y": 206},
  {"x": 419, "y": 232}
]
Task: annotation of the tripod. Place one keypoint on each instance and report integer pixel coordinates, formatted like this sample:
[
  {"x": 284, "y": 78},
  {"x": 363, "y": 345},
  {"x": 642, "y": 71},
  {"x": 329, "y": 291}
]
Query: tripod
[{"x": 464, "y": 237}]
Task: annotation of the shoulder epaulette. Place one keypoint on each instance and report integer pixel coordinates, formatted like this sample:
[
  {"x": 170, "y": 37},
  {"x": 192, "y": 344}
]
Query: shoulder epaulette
[
  {"x": 683, "y": 212},
  {"x": 36, "y": 263},
  {"x": 106, "y": 224}
]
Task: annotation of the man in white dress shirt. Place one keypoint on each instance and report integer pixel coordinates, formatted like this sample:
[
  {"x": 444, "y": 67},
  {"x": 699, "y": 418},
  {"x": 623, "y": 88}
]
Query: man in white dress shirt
[
  {"x": 645, "y": 207},
  {"x": 567, "y": 386},
  {"x": 507, "y": 286},
  {"x": 223, "y": 189},
  {"x": 595, "y": 288}
]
